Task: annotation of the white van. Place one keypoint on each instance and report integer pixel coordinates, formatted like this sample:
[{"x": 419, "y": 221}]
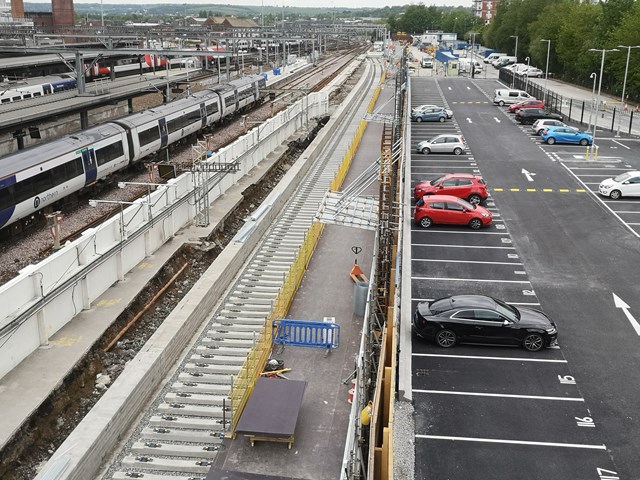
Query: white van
[
  {"x": 504, "y": 61},
  {"x": 465, "y": 65},
  {"x": 505, "y": 96},
  {"x": 493, "y": 56}
]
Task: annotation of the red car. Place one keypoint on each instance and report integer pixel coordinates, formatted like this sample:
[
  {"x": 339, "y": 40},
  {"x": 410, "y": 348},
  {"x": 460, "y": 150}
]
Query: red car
[
  {"x": 449, "y": 210},
  {"x": 526, "y": 104},
  {"x": 462, "y": 185}
]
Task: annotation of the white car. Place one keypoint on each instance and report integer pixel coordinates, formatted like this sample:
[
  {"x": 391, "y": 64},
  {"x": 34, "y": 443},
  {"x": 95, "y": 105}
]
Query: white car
[
  {"x": 446, "y": 143},
  {"x": 544, "y": 123},
  {"x": 421, "y": 108},
  {"x": 626, "y": 184},
  {"x": 532, "y": 72}
]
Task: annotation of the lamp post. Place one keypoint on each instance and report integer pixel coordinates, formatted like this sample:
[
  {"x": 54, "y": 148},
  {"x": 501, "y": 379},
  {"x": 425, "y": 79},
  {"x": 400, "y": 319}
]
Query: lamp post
[
  {"x": 624, "y": 83},
  {"x": 594, "y": 75},
  {"x": 546, "y": 70},
  {"x": 595, "y": 121},
  {"x": 515, "y": 53},
  {"x": 526, "y": 75}
]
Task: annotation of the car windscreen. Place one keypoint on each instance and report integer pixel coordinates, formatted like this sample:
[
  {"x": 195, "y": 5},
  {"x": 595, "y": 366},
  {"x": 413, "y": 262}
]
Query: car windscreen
[
  {"x": 437, "y": 180},
  {"x": 507, "y": 310},
  {"x": 466, "y": 204},
  {"x": 623, "y": 177}
]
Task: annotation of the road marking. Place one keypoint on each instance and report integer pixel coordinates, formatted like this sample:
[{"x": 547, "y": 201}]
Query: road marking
[
  {"x": 458, "y": 246},
  {"x": 619, "y": 303},
  {"x": 513, "y": 442},
  {"x": 478, "y": 357},
  {"x": 496, "y": 119},
  {"x": 463, "y": 261},
  {"x": 458, "y": 231},
  {"x": 626, "y": 211},
  {"x": 469, "y": 120},
  {"x": 449, "y": 279},
  {"x": 514, "y": 189},
  {"x": 500, "y": 395},
  {"x": 621, "y": 144},
  {"x": 529, "y": 175}
]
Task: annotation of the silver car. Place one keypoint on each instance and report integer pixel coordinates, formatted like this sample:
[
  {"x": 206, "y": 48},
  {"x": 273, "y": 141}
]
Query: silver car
[
  {"x": 420, "y": 108},
  {"x": 445, "y": 143},
  {"x": 542, "y": 124}
]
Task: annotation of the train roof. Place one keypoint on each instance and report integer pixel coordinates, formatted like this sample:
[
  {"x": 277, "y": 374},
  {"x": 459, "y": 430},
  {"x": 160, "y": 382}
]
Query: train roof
[
  {"x": 160, "y": 111},
  {"x": 43, "y": 152},
  {"x": 28, "y": 82}
]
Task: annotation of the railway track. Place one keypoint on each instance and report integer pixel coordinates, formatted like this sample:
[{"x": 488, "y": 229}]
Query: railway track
[{"x": 181, "y": 433}]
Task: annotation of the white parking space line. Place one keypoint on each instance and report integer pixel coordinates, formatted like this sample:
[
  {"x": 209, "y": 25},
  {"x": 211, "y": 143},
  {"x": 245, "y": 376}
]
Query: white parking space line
[
  {"x": 621, "y": 144},
  {"x": 458, "y": 231},
  {"x": 626, "y": 211},
  {"x": 514, "y": 442},
  {"x": 478, "y": 357},
  {"x": 500, "y": 395},
  {"x": 463, "y": 261},
  {"x": 614, "y": 202},
  {"x": 457, "y": 246},
  {"x": 586, "y": 175},
  {"x": 449, "y": 279},
  {"x": 526, "y": 304},
  {"x": 440, "y": 160}
]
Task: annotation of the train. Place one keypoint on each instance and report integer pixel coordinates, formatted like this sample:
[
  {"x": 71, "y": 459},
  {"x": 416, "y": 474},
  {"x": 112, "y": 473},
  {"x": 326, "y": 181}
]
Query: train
[
  {"x": 37, "y": 87},
  {"x": 39, "y": 176}
]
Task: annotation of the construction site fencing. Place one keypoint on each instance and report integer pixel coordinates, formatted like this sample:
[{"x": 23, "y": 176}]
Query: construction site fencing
[
  {"x": 257, "y": 358},
  {"x": 618, "y": 118}
]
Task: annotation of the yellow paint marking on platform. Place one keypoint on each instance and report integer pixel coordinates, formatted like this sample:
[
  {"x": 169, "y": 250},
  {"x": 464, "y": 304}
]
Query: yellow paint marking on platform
[
  {"x": 531, "y": 190},
  {"x": 498, "y": 189},
  {"x": 564, "y": 190},
  {"x": 66, "y": 341},
  {"x": 108, "y": 302},
  {"x": 547, "y": 189},
  {"x": 514, "y": 189},
  {"x": 580, "y": 190},
  {"x": 142, "y": 265}
]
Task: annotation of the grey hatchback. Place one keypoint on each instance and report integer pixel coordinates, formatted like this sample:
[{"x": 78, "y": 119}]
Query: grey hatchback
[{"x": 446, "y": 143}]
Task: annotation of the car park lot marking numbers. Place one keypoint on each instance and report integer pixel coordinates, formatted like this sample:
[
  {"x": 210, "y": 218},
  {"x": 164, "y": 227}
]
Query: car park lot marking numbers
[
  {"x": 513, "y": 442},
  {"x": 619, "y": 303}
]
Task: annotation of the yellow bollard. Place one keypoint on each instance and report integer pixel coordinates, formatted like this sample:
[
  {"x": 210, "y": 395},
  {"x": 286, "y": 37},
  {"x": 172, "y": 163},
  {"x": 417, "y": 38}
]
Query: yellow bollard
[
  {"x": 586, "y": 155},
  {"x": 595, "y": 155}
]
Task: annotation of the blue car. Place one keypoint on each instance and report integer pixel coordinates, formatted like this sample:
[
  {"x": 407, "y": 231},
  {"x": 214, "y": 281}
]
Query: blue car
[
  {"x": 433, "y": 114},
  {"x": 553, "y": 135}
]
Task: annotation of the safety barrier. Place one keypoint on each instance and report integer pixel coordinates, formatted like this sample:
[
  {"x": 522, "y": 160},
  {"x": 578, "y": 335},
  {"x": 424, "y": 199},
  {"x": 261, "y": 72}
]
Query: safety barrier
[
  {"x": 257, "y": 358},
  {"x": 305, "y": 333}
]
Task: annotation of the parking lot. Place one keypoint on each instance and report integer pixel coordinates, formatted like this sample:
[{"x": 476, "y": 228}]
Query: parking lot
[{"x": 498, "y": 412}]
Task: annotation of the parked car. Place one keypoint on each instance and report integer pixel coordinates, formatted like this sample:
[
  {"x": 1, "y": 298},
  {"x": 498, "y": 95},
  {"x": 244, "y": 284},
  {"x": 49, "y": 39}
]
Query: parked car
[
  {"x": 447, "y": 143},
  {"x": 426, "y": 62},
  {"x": 530, "y": 115},
  {"x": 553, "y": 135},
  {"x": 526, "y": 104},
  {"x": 506, "y": 96},
  {"x": 540, "y": 125},
  {"x": 448, "y": 210},
  {"x": 431, "y": 114},
  {"x": 482, "y": 319},
  {"x": 626, "y": 184},
  {"x": 420, "y": 108},
  {"x": 531, "y": 72},
  {"x": 471, "y": 187}
]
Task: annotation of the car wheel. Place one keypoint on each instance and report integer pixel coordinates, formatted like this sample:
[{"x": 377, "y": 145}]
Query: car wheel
[
  {"x": 539, "y": 132},
  {"x": 551, "y": 140},
  {"x": 615, "y": 194},
  {"x": 426, "y": 222},
  {"x": 533, "y": 342},
  {"x": 446, "y": 338},
  {"x": 475, "y": 199},
  {"x": 584, "y": 142},
  {"x": 457, "y": 151},
  {"x": 475, "y": 223},
  {"x": 501, "y": 103},
  {"x": 441, "y": 119},
  {"x": 426, "y": 151},
  {"x": 419, "y": 119}
]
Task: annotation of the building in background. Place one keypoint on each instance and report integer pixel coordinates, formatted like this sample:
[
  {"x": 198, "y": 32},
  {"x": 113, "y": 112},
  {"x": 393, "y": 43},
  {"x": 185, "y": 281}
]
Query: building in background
[{"x": 485, "y": 9}]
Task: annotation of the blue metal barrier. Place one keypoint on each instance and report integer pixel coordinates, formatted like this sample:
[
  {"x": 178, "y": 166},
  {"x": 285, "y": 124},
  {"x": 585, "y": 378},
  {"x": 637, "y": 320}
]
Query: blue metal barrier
[{"x": 304, "y": 333}]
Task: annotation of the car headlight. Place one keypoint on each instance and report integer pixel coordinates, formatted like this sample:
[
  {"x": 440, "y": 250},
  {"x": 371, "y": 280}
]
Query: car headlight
[
  {"x": 605, "y": 187},
  {"x": 551, "y": 330},
  {"x": 485, "y": 215}
]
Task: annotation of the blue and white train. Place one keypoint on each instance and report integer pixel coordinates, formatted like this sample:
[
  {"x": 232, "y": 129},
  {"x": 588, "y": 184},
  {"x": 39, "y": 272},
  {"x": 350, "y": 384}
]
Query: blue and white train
[
  {"x": 39, "y": 176},
  {"x": 35, "y": 87}
]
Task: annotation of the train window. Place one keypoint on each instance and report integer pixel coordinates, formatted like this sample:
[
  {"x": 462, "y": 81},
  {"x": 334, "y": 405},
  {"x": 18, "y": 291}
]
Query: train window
[
  {"x": 74, "y": 168},
  {"x": 26, "y": 95},
  {"x": 5, "y": 100},
  {"x": 37, "y": 94},
  {"x": 59, "y": 174},
  {"x": 184, "y": 120},
  {"x": 108, "y": 153},
  {"x": 6, "y": 197},
  {"x": 149, "y": 135},
  {"x": 230, "y": 100},
  {"x": 212, "y": 108},
  {"x": 23, "y": 190},
  {"x": 43, "y": 182}
]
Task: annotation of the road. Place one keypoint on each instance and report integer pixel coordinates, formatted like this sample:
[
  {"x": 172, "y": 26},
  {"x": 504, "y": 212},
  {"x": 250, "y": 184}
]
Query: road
[{"x": 504, "y": 413}]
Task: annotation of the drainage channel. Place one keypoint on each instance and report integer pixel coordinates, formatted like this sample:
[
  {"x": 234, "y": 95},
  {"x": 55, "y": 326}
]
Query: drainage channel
[{"x": 183, "y": 431}]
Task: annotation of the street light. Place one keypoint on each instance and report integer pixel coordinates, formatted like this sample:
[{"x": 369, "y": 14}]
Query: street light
[
  {"x": 624, "y": 84},
  {"x": 594, "y": 75},
  {"x": 595, "y": 121},
  {"x": 546, "y": 70},
  {"x": 515, "y": 53},
  {"x": 526, "y": 75}
]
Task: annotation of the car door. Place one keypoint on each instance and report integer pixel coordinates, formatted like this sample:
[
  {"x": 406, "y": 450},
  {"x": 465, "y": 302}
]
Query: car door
[
  {"x": 491, "y": 327},
  {"x": 436, "y": 212},
  {"x": 463, "y": 323},
  {"x": 456, "y": 214},
  {"x": 439, "y": 145},
  {"x": 631, "y": 187},
  {"x": 448, "y": 187}
]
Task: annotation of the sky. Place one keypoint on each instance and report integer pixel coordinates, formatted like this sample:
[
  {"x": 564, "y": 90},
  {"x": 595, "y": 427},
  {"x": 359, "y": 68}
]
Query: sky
[{"x": 294, "y": 3}]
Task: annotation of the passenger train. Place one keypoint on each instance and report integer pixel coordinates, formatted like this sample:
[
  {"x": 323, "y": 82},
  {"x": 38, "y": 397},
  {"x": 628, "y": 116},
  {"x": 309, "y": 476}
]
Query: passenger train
[
  {"x": 37, "y": 87},
  {"x": 39, "y": 176}
]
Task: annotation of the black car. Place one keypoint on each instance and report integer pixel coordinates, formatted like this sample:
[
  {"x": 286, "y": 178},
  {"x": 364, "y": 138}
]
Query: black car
[
  {"x": 530, "y": 115},
  {"x": 482, "y": 319}
]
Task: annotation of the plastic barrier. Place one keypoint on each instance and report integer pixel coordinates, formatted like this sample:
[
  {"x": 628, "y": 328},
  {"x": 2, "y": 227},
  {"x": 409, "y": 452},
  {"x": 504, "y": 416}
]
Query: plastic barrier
[{"x": 305, "y": 333}]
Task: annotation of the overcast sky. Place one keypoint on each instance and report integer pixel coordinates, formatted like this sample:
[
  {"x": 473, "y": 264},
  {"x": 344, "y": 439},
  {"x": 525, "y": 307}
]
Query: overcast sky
[{"x": 294, "y": 3}]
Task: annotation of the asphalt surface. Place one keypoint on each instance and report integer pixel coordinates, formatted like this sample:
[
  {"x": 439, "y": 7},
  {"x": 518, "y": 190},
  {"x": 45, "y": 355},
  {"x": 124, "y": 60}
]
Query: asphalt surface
[{"x": 504, "y": 413}]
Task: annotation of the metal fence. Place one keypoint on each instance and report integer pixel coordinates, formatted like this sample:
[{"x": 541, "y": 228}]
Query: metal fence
[{"x": 615, "y": 119}]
